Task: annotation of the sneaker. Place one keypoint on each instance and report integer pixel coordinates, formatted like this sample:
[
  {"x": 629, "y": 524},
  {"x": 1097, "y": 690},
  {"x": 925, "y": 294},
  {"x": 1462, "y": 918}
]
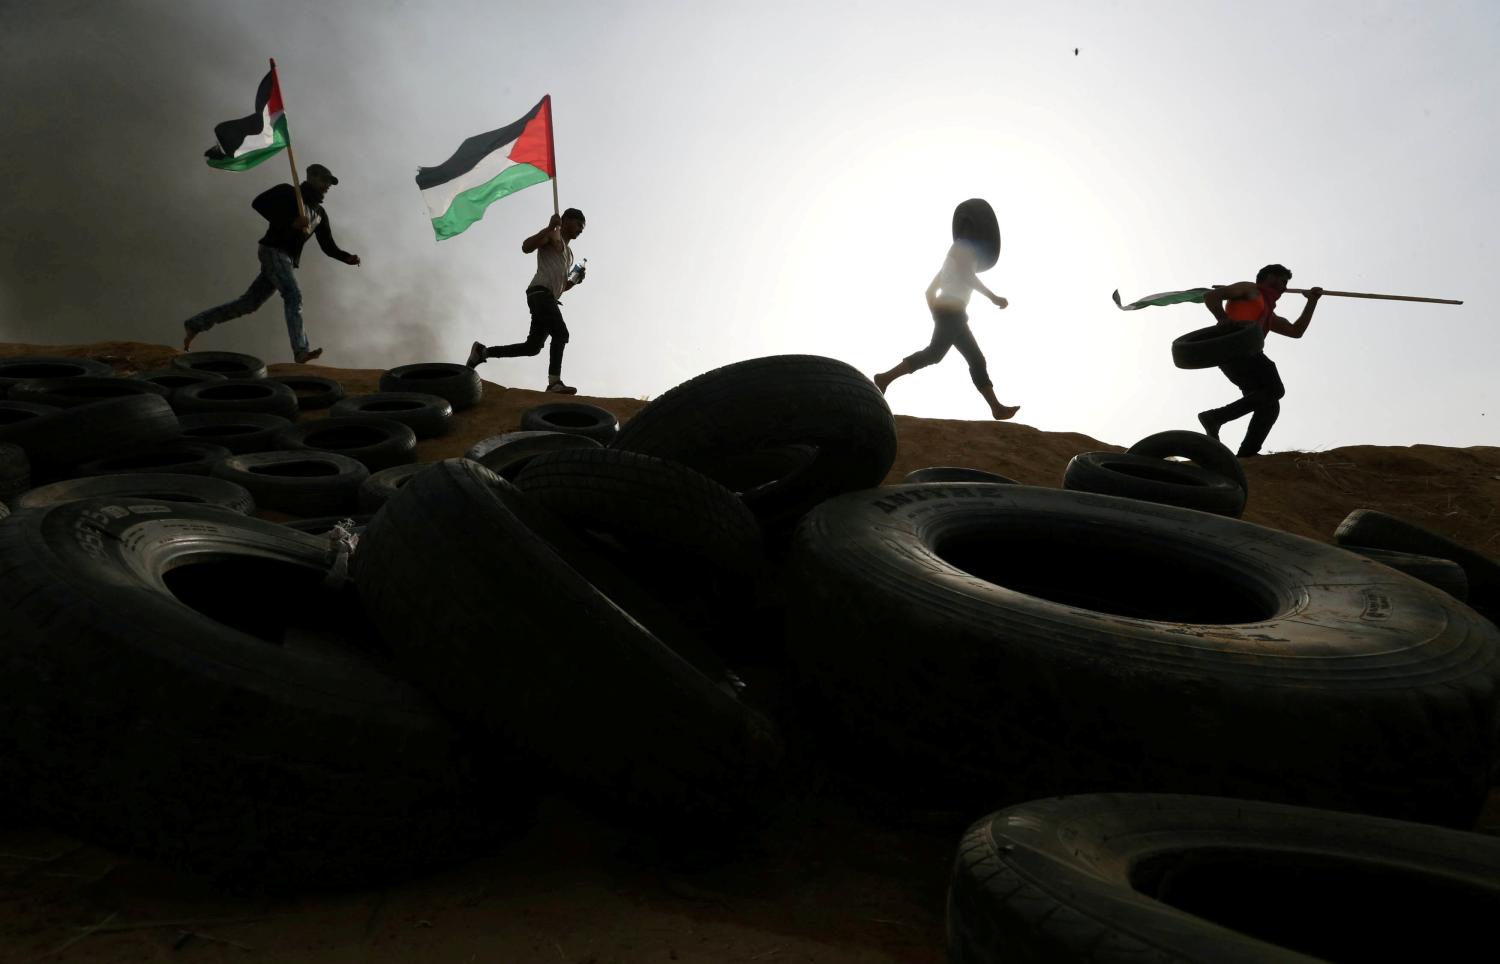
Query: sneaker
[
  {"x": 558, "y": 388},
  {"x": 303, "y": 357},
  {"x": 476, "y": 355}
]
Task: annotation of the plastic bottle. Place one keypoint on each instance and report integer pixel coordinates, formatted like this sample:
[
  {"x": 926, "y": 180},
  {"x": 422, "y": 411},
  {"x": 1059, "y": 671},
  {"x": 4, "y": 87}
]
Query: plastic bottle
[{"x": 577, "y": 271}]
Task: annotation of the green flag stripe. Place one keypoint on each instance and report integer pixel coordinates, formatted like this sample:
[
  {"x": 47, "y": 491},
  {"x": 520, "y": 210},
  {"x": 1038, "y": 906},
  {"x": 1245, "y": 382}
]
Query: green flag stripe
[
  {"x": 1165, "y": 298},
  {"x": 280, "y": 138},
  {"x": 469, "y": 206}
]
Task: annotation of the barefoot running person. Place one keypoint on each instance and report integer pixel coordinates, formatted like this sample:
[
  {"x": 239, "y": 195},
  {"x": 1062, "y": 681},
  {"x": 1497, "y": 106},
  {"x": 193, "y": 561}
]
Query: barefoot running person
[
  {"x": 280, "y": 252},
  {"x": 1254, "y": 303},
  {"x": 553, "y": 260},
  {"x": 948, "y": 300}
]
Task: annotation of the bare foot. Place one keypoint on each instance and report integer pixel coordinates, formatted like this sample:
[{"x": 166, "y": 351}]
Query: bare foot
[
  {"x": 1210, "y": 426},
  {"x": 187, "y": 341},
  {"x": 302, "y": 358},
  {"x": 1003, "y": 412},
  {"x": 882, "y": 380}
]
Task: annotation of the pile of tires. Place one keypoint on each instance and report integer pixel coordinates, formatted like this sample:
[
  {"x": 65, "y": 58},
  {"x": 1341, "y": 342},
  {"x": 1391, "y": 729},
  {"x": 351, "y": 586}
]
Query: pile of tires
[{"x": 1186, "y": 469}]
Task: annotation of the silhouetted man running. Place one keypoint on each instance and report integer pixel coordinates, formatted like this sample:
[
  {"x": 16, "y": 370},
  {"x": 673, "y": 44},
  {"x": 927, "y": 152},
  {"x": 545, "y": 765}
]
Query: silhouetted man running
[
  {"x": 948, "y": 300},
  {"x": 280, "y": 252},
  {"x": 553, "y": 260},
  {"x": 1254, "y": 303}
]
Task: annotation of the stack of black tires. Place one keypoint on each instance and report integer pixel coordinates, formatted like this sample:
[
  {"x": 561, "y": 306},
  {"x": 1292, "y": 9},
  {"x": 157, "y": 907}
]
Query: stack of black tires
[{"x": 676, "y": 619}]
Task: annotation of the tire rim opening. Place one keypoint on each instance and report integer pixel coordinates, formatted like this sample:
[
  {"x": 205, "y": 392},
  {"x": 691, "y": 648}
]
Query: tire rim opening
[
  {"x": 306, "y": 614},
  {"x": 1114, "y": 572},
  {"x": 1166, "y": 473},
  {"x": 300, "y": 469},
  {"x": 1335, "y": 908}
]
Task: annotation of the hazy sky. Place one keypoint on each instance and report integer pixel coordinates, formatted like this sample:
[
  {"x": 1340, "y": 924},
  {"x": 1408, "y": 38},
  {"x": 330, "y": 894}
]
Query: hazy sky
[{"x": 780, "y": 177}]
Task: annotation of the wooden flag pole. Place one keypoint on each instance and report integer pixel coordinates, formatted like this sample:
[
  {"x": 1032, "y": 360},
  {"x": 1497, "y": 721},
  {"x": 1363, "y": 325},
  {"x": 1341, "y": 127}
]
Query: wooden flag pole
[
  {"x": 296, "y": 181},
  {"x": 552, "y": 157},
  {"x": 1362, "y": 294}
]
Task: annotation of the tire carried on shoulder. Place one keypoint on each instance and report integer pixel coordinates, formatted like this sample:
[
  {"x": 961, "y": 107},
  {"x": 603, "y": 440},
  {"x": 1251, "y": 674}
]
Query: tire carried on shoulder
[
  {"x": 1213, "y": 346},
  {"x": 785, "y": 432},
  {"x": 507, "y": 635},
  {"x": 218, "y": 739},
  {"x": 1116, "y": 878},
  {"x": 1084, "y": 641}
]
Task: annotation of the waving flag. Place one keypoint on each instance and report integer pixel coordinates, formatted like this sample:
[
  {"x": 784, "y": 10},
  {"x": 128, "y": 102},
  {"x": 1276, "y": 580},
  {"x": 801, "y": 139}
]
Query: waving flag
[
  {"x": 245, "y": 142},
  {"x": 488, "y": 167},
  {"x": 1164, "y": 298}
]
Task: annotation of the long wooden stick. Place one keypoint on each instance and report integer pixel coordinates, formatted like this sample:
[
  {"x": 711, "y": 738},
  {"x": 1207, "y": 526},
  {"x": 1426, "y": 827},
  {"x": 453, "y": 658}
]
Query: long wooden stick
[
  {"x": 1364, "y": 294},
  {"x": 552, "y": 152},
  {"x": 296, "y": 182}
]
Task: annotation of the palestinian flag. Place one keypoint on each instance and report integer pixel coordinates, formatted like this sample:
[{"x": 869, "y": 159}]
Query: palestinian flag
[
  {"x": 486, "y": 168},
  {"x": 246, "y": 142},
  {"x": 1164, "y": 298}
]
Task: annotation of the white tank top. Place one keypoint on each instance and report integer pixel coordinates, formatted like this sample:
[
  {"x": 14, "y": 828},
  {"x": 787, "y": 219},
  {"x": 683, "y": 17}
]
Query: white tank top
[{"x": 552, "y": 268}]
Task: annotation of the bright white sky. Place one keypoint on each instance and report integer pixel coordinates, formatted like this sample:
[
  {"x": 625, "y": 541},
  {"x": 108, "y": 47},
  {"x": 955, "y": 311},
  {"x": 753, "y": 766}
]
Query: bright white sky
[{"x": 780, "y": 177}]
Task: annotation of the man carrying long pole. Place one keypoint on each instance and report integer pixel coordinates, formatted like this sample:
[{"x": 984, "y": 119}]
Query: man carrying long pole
[{"x": 293, "y": 213}]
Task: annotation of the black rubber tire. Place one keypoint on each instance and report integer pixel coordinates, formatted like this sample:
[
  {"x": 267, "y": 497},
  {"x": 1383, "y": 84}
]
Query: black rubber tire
[
  {"x": 507, "y": 454},
  {"x": 323, "y": 525},
  {"x": 573, "y": 418},
  {"x": 178, "y": 456},
  {"x": 379, "y": 443},
  {"x": 1445, "y": 574},
  {"x": 239, "y": 432},
  {"x": 1207, "y": 453},
  {"x": 232, "y": 365},
  {"x": 20, "y": 368},
  {"x": 429, "y": 416},
  {"x": 660, "y": 509},
  {"x": 13, "y": 414},
  {"x": 1116, "y": 878},
  {"x": 301, "y": 483},
  {"x": 786, "y": 432},
  {"x": 953, "y": 473},
  {"x": 15, "y": 471},
  {"x": 1148, "y": 479},
  {"x": 4, "y": 512},
  {"x": 143, "y": 487},
  {"x": 380, "y": 486},
  {"x": 174, "y": 378},
  {"x": 150, "y": 705},
  {"x": 459, "y": 384},
  {"x": 313, "y": 391},
  {"x": 1009, "y": 642},
  {"x": 1213, "y": 346},
  {"x": 238, "y": 395},
  {"x": 56, "y": 438},
  {"x": 1379, "y": 530},
  {"x": 83, "y": 390},
  {"x": 974, "y": 223},
  {"x": 578, "y": 684}
]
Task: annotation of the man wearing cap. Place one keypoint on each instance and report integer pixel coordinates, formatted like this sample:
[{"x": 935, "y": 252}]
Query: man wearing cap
[
  {"x": 553, "y": 259},
  {"x": 280, "y": 252}
]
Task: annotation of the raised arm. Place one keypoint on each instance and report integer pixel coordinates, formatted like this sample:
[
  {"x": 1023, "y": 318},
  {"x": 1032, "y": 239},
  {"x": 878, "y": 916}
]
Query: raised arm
[{"x": 551, "y": 233}]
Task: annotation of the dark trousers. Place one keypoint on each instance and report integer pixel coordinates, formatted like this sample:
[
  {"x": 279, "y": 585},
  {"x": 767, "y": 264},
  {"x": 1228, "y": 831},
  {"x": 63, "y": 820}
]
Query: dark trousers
[
  {"x": 1259, "y": 381},
  {"x": 546, "y": 322},
  {"x": 950, "y": 329}
]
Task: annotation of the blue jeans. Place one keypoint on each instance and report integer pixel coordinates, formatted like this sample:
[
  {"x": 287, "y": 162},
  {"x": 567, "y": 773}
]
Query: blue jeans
[{"x": 275, "y": 275}]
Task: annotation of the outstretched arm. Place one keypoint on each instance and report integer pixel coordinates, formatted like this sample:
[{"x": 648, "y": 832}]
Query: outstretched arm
[{"x": 1298, "y": 328}]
